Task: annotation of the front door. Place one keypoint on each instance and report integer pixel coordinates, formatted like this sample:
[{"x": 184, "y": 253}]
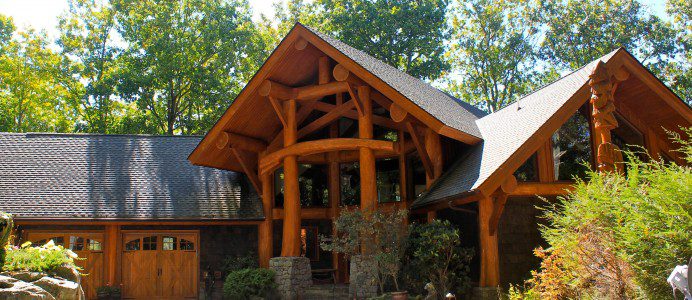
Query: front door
[{"x": 160, "y": 265}]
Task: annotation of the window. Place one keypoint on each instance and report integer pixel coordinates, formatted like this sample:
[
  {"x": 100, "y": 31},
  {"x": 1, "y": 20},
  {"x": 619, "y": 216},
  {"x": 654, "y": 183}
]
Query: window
[
  {"x": 94, "y": 245},
  {"x": 149, "y": 243},
  {"x": 169, "y": 243},
  {"x": 186, "y": 245},
  {"x": 572, "y": 147},
  {"x": 350, "y": 183},
  {"x": 312, "y": 184},
  {"x": 132, "y": 245},
  {"x": 388, "y": 181},
  {"x": 76, "y": 243},
  {"x": 529, "y": 170},
  {"x": 628, "y": 138},
  {"x": 418, "y": 176},
  {"x": 309, "y": 243}
]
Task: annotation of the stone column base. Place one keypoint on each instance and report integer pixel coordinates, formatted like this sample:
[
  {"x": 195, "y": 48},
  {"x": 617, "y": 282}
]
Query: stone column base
[
  {"x": 293, "y": 276},
  {"x": 363, "y": 277},
  {"x": 485, "y": 293}
]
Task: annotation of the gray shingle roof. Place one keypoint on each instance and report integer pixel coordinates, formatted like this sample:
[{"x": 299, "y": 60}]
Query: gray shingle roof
[
  {"x": 504, "y": 132},
  {"x": 449, "y": 110},
  {"x": 117, "y": 177}
]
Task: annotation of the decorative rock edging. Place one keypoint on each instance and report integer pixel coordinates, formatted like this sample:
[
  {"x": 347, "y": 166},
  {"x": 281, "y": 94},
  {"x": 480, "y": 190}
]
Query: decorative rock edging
[
  {"x": 24, "y": 285},
  {"x": 293, "y": 276}
]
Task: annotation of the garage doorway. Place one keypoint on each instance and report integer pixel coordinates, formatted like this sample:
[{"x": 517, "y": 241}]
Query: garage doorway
[{"x": 160, "y": 264}]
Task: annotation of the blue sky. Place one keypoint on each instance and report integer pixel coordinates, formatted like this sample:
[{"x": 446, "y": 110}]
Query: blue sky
[{"x": 43, "y": 14}]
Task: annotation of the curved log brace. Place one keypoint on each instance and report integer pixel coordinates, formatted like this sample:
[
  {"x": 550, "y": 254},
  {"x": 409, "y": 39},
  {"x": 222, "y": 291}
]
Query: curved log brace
[{"x": 272, "y": 161}]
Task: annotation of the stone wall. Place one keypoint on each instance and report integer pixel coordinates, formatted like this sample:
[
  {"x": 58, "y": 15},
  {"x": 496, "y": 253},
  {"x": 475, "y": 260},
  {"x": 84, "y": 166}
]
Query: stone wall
[
  {"x": 518, "y": 237},
  {"x": 293, "y": 276}
]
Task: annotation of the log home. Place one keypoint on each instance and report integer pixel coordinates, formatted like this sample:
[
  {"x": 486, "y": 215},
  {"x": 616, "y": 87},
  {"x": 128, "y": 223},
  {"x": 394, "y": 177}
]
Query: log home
[{"x": 322, "y": 126}]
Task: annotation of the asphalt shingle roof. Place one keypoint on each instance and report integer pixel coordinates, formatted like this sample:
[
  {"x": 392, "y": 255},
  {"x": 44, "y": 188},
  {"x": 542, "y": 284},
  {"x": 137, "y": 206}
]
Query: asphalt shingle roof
[
  {"x": 449, "y": 110},
  {"x": 504, "y": 132},
  {"x": 117, "y": 177}
]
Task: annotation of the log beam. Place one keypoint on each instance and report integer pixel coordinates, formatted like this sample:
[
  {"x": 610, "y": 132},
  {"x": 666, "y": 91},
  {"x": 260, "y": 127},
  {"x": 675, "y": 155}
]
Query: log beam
[
  {"x": 377, "y": 120},
  {"x": 397, "y": 113},
  {"x": 239, "y": 141},
  {"x": 325, "y": 120},
  {"x": 311, "y": 92},
  {"x": 420, "y": 147},
  {"x": 246, "y": 164}
]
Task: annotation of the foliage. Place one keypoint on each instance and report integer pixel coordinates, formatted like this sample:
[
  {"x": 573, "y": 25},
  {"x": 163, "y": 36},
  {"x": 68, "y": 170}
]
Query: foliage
[
  {"x": 434, "y": 255},
  {"x": 108, "y": 290},
  {"x": 6, "y": 227},
  {"x": 238, "y": 262},
  {"x": 242, "y": 284},
  {"x": 616, "y": 236},
  {"x": 493, "y": 50},
  {"x": 38, "y": 259},
  {"x": 379, "y": 234}
]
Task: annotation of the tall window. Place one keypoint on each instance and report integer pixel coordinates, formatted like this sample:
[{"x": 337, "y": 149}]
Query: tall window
[
  {"x": 388, "y": 180},
  {"x": 572, "y": 146},
  {"x": 312, "y": 183},
  {"x": 350, "y": 183},
  {"x": 529, "y": 170},
  {"x": 418, "y": 177},
  {"x": 628, "y": 138}
]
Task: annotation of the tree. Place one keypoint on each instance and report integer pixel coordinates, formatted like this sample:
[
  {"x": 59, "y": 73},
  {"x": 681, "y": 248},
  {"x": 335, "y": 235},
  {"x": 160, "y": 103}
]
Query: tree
[
  {"x": 31, "y": 95},
  {"x": 577, "y": 32},
  {"x": 87, "y": 41},
  {"x": 186, "y": 60},
  {"x": 6, "y": 30},
  {"x": 408, "y": 35},
  {"x": 678, "y": 73},
  {"x": 493, "y": 50}
]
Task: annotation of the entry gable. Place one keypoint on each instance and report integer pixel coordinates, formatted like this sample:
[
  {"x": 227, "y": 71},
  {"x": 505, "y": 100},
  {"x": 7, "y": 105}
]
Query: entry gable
[{"x": 254, "y": 119}]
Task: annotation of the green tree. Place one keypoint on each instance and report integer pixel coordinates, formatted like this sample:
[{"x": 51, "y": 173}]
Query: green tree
[
  {"x": 32, "y": 97},
  {"x": 186, "y": 60},
  {"x": 493, "y": 52},
  {"x": 87, "y": 33},
  {"x": 577, "y": 32},
  {"x": 408, "y": 35},
  {"x": 6, "y": 30},
  {"x": 678, "y": 73}
]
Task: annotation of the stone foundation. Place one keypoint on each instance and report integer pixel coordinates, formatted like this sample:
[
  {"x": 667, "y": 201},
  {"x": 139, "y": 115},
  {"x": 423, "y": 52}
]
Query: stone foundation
[
  {"x": 293, "y": 276},
  {"x": 363, "y": 277},
  {"x": 485, "y": 293}
]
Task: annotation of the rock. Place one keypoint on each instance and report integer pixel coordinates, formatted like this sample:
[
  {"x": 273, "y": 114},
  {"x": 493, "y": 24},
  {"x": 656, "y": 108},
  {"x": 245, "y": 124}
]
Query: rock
[
  {"x": 293, "y": 276},
  {"x": 68, "y": 273},
  {"x": 363, "y": 277},
  {"x": 60, "y": 288},
  {"x": 25, "y": 276},
  {"x": 14, "y": 289}
]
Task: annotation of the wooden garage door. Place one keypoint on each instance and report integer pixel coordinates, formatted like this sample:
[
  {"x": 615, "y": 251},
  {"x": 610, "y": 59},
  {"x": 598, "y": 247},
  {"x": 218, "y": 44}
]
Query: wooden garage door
[
  {"x": 160, "y": 265},
  {"x": 88, "y": 245}
]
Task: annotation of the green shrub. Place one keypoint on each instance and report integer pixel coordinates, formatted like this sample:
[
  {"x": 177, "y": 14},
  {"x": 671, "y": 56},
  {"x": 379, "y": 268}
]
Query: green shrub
[
  {"x": 38, "y": 259},
  {"x": 6, "y": 225},
  {"x": 619, "y": 236},
  {"x": 434, "y": 255},
  {"x": 238, "y": 262},
  {"x": 243, "y": 284}
]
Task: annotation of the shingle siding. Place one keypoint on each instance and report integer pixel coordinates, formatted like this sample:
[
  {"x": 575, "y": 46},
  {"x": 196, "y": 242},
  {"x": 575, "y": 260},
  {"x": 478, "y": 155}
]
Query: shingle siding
[{"x": 117, "y": 177}]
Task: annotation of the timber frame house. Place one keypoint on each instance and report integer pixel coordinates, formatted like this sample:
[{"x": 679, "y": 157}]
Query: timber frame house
[{"x": 322, "y": 126}]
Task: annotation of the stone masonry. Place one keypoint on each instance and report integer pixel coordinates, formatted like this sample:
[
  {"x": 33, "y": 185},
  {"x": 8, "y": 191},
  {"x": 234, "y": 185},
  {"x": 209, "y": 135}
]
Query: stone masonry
[
  {"x": 363, "y": 283},
  {"x": 293, "y": 276}
]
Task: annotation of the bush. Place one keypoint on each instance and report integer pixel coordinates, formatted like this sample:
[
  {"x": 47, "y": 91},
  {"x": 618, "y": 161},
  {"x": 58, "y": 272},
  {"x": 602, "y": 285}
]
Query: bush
[
  {"x": 6, "y": 225},
  {"x": 238, "y": 262},
  {"x": 618, "y": 236},
  {"x": 45, "y": 258},
  {"x": 434, "y": 255},
  {"x": 243, "y": 284}
]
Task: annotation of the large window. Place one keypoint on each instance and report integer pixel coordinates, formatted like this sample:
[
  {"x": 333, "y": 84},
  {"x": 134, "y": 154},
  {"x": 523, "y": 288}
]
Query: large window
[
  {"x": 388, "y": 180},
  {"x": 628, "y": 138},
  {"x": 572, "y": 147},
  {"x": 312, "y": 183},
  {"x": 350, "y": 183},
  {"x": 529, "y": 170},
  {"x": 417, "y": 172}
]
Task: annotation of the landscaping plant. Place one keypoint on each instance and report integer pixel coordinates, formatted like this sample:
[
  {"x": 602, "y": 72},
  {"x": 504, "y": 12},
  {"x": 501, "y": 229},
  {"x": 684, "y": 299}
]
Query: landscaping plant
[
  {"x": 6, "y": 225},
  {"x": 247, "y": 283},
  {"x": 434, "y": 256},
  {"x": 241, "y": 261},
  {"x": 617, "y": 236},
  {"x": 43, "y": 258}
]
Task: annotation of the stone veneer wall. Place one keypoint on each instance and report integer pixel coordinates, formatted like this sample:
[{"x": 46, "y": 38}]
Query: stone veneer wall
[
  {"x": 293, "y": 276},
  {"x": 518, "y": 237}
]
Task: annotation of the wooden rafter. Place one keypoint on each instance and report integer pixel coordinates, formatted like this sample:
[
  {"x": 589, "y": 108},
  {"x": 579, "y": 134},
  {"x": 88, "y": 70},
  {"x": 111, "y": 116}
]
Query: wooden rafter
[
  {"x": 311, "y": 92},
  {"x": 356, "y": 100},
  {"x": 420, "y": 147},
  {"x": 507, "y": 187},
  {"x": 246, "y": 164},
  {"x": 377, "y": 120},
  {"x": 279, "y": 111},
  {"x": 325, "y": 120}
]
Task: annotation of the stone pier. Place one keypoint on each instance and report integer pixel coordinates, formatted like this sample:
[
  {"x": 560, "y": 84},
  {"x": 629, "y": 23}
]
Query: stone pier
[{"x": 293, "y": 276}]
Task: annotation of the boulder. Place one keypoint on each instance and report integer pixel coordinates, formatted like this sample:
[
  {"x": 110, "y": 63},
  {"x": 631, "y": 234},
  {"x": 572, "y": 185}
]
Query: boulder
[
  {"x": 68, "y": 273},
  {"x": 25, "y": 276},
  {"x": 60, "y": 288},
  {"x": 14, "y": 289}
]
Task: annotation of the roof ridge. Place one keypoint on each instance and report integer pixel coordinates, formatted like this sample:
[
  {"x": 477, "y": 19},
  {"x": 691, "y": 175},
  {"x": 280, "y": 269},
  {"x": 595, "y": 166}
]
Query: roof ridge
[{"x": 87, "y": 134}]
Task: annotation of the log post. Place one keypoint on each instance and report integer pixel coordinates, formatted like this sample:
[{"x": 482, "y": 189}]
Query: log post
[
  {"x": 290, "y": 245},
  {"x": 111, "y": 253},
  {"x": 604, "y": 121},
  {"x": 368, "y": 175},
  {"x": 490, "y": 261},
  {"x": 266, "y": 228},
  {"x": 433, "y": 147}
]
